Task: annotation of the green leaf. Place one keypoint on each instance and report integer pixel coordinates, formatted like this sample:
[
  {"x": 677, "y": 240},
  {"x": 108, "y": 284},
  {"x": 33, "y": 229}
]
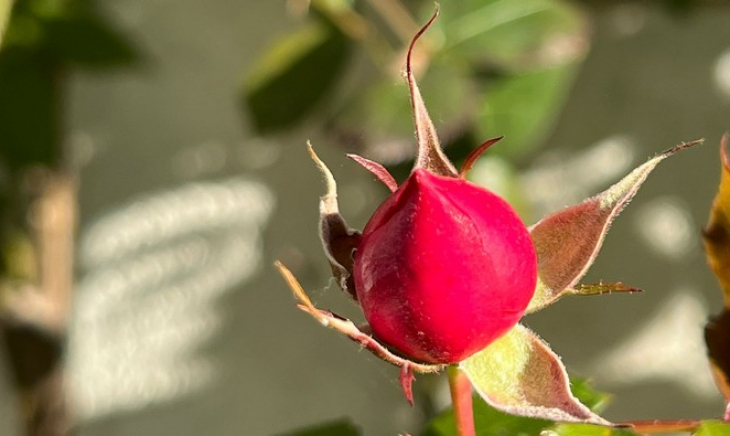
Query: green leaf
[
  {"x": 513, "y": 45},
  {"x": 488, "y": 422},
  {"x": 5, "y": 8},
  {"x": 713, "y": 428},
  {"x": 43, "y": 38},
  {"x": 295, "y": 75},
  {"x": 491, "y": 422},
  {"x": 341, "y": 427},
  {"x": 567, "y": 242},
  {"x": 520, "y": 375},
  {"x": 381, "y": 115},
  {"x": 28, "y": 108},
  {"x": 595, "y": 400},
  {"x": 523, "y": 107},
  {"x": 503, "y": 31},
  {"x": 84, "y": 39},
  {"x": 476, "y": 34}
]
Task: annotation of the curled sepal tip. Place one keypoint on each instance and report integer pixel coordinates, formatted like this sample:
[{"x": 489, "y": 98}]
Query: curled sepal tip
[
  {"x": 348, "y": 328},
  {"x": 474, "y": 155},
  {"x": 520, "y": 375},
  {"x": 338, "y": 239},
  {"x": 430, "y": 155},
  {"x": 568, "y": 241}
]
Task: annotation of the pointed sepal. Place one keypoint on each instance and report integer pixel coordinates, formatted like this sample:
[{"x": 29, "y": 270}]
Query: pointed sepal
[
  {"x": 338, "y": 239},
  {"x": 430, "y": 155},
  {"x": 349, "y": 329},
  {"x": 377, "y": 170},
  {"x": 519, "y": 374},
  {"x": 568, "y": 241},
  {"x": 471, "y": 159},
  {"x": 406, "y": 379}
]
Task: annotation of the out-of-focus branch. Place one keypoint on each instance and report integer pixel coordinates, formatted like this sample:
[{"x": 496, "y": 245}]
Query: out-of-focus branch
[
  {"x": 33, "y": 319},
  {"x": 54, "y": 219}
]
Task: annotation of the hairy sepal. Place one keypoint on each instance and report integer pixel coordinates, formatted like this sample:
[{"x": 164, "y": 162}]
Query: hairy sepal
[
  {"x": 430, "y": 155},
  {"x": 519, "y": 374},
  {"x": 338, "y": 239},
  {"x": 349, "y": 329},
  {"x": 568, "y": 241},
  {"x": 377, "y": 170}
]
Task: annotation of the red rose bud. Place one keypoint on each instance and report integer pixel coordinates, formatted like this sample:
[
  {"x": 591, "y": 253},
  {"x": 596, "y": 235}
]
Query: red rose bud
[{"x": 444, "y": 267}]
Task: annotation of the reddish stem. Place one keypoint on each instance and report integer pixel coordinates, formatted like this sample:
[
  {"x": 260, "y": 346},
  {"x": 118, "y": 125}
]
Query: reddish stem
[{"x": 461, "y": 399}]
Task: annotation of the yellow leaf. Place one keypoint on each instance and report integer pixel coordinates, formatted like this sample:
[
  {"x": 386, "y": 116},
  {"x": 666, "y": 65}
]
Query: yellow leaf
[
  {"x": 717, "y": 233},
  {"x": 717, "y": 247}
]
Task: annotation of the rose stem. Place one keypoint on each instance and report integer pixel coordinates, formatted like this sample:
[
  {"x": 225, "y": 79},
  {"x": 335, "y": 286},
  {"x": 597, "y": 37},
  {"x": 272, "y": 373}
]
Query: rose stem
[{"x": 461, "y": 399}]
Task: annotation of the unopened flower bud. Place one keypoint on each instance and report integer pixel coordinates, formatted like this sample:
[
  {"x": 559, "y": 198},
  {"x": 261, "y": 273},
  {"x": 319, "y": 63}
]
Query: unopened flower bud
[{"x": 444, "y": 268}]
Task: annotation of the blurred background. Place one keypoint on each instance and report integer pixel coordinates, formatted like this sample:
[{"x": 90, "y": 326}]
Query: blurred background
[{"x": 153, "y": 166}]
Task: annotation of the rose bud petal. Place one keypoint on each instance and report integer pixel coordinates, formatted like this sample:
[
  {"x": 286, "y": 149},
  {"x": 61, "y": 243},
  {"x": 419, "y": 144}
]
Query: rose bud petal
[{"x": 443, "y": 269}]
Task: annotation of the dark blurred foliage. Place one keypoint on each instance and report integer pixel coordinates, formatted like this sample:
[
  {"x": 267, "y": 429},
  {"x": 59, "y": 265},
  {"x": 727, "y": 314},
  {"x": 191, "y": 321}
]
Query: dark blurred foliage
[
  {"x": 484, "y": 63},
  {"x": 43, "y": 42}
]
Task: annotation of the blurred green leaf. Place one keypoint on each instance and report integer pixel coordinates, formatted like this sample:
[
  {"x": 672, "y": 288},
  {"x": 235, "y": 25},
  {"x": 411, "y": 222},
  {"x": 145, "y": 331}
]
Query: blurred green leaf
[
  {"x": 587, "y": 430},
  {"x": 86, "y": 40},
  {"x": 499, "y": 176},
  {"x": 43, "y": 38},
  {"x": 504, "y": 31},
  {"x": 488, "y": 422},
  {"x": 5, "y": 8},
  {"x": 497, "y": 67},
  {"x": 294, "y": 76},
  {"x": 523, "y": 107},
  {"x": 713, "y": 428},
  {"x": 337, "y": 428},
  {"x": 491, "y": 422},
  {"x": 381, "y": 118},
  {"x": 28, "y": 108},
  {"x": 596, "y": 400}
]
